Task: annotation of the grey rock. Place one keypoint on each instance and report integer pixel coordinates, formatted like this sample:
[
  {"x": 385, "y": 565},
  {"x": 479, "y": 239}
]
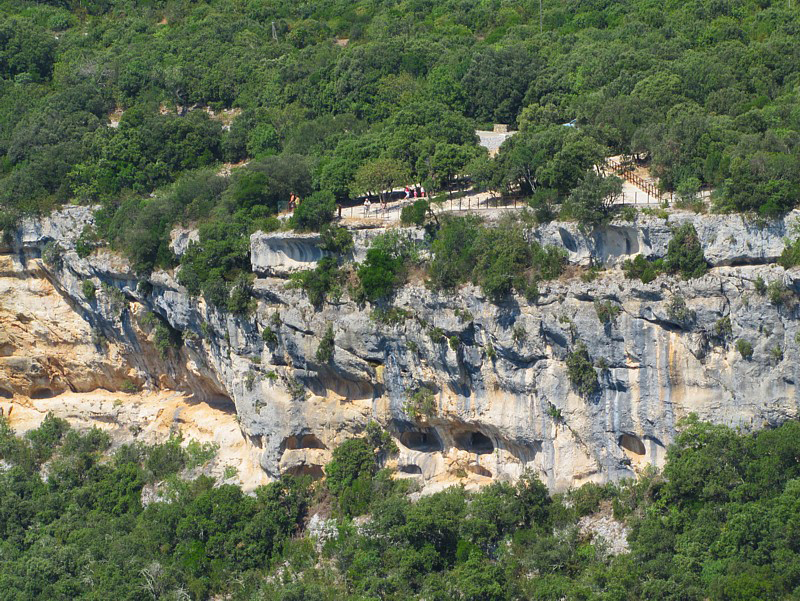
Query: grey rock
[{"x": 495, "y": 416}]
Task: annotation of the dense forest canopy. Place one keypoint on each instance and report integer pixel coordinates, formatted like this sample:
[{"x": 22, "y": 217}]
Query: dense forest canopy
[
  {"x": 705, "y": 90},
  {"x": 721, "y": 522}
]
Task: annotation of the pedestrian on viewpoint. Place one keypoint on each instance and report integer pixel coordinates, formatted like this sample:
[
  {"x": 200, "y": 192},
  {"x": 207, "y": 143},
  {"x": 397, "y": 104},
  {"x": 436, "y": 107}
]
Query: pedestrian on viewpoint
[
  {"x": 408, "y": 193},
  {"x": 367, "y": 204}
]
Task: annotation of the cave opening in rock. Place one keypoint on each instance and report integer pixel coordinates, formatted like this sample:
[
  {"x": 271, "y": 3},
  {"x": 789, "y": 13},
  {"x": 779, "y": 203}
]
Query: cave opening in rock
[
  {"x": 421, "y": 440},
  {"x": 309, "y": 441},
  {"x": 474, "y": 442},
  {"x": 315, "y": 471},
  {"x": 302, "y": 441},
  {"x": 5, "y": 393},
  {"x": 410, "y": 469},
  {"x": 220, "y": 402},
  {"x": 632, "y": 443},
  {"x": 42, "y": 393},
  {"x": 479, "y": 470}
]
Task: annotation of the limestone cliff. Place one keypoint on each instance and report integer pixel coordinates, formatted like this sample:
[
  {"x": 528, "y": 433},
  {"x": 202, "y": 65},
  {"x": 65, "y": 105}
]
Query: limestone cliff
[{"x": 503, "y": 401}]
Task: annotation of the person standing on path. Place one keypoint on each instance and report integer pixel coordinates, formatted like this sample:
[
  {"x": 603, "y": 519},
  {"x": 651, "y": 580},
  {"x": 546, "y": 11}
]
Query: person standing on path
[{"x": 367, "y": 204}]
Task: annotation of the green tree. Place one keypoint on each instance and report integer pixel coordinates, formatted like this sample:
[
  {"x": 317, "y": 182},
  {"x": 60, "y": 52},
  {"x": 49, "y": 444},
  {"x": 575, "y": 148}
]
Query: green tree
[
  {"x": 380, "y": 175},
  {"x": 685, "y": 253},
  {"x": 594, "y": 200},
  {"x": 349, "y": 475}
]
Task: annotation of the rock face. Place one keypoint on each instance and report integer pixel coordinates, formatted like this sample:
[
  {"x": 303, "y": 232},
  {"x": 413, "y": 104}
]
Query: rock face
[
  {"x": 503, "y": 402},
  {"x": 727, "y": 239}
]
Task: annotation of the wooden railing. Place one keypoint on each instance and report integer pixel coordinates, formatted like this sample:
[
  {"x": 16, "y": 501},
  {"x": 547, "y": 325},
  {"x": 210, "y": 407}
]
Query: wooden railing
[{"x": 625, "y": 171}]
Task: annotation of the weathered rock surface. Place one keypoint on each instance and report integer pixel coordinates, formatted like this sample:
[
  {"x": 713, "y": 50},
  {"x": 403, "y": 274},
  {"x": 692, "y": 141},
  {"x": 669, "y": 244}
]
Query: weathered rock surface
[
  {"x": 726, "y": 239},
  {"x": 503, "y": 400}
]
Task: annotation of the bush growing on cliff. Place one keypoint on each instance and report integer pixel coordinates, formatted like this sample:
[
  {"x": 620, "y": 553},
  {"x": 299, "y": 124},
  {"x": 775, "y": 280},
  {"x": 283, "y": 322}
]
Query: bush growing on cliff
[
  {"x": 349, "y": 475},
  {"x": 498, "y": 259},
  {"x": 320, "y": 283},
  {"x": 679, "y": 312},
  {"x": 326, "y": 346},
  {"x": 779, "y": 294},
  {"x": 745, "y": 349},
  {"x": 580, "y": 371},
  {"x": 643, "y": 269},
  {"x": 89, "y": 290},
  {"x": 388, "y": 259},
  {"x": 421, "y": 403},
  {"x": 607, "y": 311},
  {"x": 52, "y": 255},
  {"x": 685, "y": 253},
  {"x": 240, "y": 297},
  {"x": 335, "y": 239},
  {"x": 790, "y": 256},
  {"x": 212, "y": 264}
]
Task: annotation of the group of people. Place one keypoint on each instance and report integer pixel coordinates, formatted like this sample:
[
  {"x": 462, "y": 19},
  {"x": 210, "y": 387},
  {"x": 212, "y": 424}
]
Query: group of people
[
  {"x": 410, "y": 192},
  {"x": 294, "y": 201}
]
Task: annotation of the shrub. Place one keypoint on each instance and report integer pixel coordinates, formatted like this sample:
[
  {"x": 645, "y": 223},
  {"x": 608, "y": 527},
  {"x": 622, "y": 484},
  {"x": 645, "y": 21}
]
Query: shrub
[
  {"x": 464, "y": 315},
  {"x": 336, "y": 239},
  {"x": 422, "y": 403},
  {"x": 519, "y": 334},
  {"x": 779, "y": 294},
  {"x": 198, "y": 454},
  {"x": 554, "y": 412},
  {"x": 436, "y": 334},
  {"x": 52, "y": 255},
  {"x": 326, "y": 346},
  {"x": 384, "y": 267},
  {"x": 393, "y": 316},
  {"x": 415, "y": 214},
  {"x": 760, "y": 285},
  {"x": 86, "y": 242},
  {"x": 129, "y": 386},
  {"x": 454, "y": 342},
  {"x": 349, "y": 475},
  {"x": 723, "y": 328},
  {"x": 165, "y": 337},
  {"x": 240, "y": 297},
  {"x": 222, "y": 254},
  {"x": 607, "y": 311},
  {"x": 89, "y": 290},
  {"x": 166, "y": 458},
  {"x": 319, "y": 283},
  {"x": 314, "y": 212},
  {"x": 790, "y": 255},
  {"x": 581, "y": 372},
  {"x": 679, "y": 312},
  {"x": 269, "y": 336},
  {"x": 641, "y": 268},
  {"x": 490, "y": 352},
  {"x": 498, "y": 259},
  {"x": 776, "y": 354},
  {"x": 745, "y": 349},
  {"x": 378, "y": 438},
  {"x": 685, "y": 254}
]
